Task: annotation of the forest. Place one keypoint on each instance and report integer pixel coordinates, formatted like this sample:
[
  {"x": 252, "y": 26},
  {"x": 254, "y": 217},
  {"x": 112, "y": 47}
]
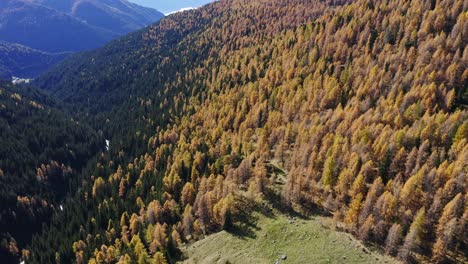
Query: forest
[
  {"x": 361, "y": 104},
  {"x": 42, "y": 153}
]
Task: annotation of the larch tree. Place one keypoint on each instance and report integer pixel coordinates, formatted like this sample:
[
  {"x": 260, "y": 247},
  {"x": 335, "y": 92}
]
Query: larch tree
[
  {"x": 352, "y": 215},
  {"x": 159, "y": 258},
  {"x": 414, "y": 238},
  {"x": 394, "y": 238}
]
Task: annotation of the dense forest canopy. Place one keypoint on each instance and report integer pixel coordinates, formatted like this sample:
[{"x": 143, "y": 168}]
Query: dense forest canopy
[
  {"x": 42, "y": 152},
  {"x": 361, "y": 104}
]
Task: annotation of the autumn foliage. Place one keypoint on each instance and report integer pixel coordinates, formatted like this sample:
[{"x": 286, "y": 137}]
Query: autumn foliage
[{"x": 360, "y": 103}]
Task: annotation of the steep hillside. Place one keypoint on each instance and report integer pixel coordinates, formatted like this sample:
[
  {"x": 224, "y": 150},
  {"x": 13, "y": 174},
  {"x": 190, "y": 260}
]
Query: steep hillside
[
  {"x": 351, "y": 108},
  {"x": 24, "y": 62},
  {"x": 42, "y": 153}
]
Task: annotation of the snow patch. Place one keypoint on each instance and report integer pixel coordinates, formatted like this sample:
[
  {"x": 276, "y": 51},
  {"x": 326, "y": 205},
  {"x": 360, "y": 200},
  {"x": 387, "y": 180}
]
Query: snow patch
[
  {"x": 16, "y": 80},
  {"x": 181, "y": 10}
]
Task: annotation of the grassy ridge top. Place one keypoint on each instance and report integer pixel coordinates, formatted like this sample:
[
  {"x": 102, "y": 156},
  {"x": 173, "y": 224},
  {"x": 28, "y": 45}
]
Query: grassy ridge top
[{"x": 301, "y": 241}]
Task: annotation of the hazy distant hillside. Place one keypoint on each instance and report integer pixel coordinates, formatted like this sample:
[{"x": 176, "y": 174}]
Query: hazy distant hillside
[
  {"x": 44, "y": 27},
  {"x": 56, "y": 26},
  {"x": 117, "y": 16},
  {"x": 24, "y": 62}
]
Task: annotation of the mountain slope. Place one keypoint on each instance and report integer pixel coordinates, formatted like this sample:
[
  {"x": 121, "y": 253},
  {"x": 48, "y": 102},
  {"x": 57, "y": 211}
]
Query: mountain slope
[
  {"x": 352, "y": 109},
  {"x": 24, "y": 62},
  {"x": 113, "y": 78},
  {"x": 42, "y": 154}
]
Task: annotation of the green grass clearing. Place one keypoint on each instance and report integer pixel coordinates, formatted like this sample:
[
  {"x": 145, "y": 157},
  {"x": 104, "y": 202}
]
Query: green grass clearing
[{"x": 301, "y": 241}]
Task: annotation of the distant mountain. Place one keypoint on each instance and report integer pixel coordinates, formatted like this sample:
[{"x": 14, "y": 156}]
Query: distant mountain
[
  {"x": 72, "y": 25},
  {"x": 24, "y": 62},
  {"x": 117, "y": 16},
  {"x": 55, "y": 26}
]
